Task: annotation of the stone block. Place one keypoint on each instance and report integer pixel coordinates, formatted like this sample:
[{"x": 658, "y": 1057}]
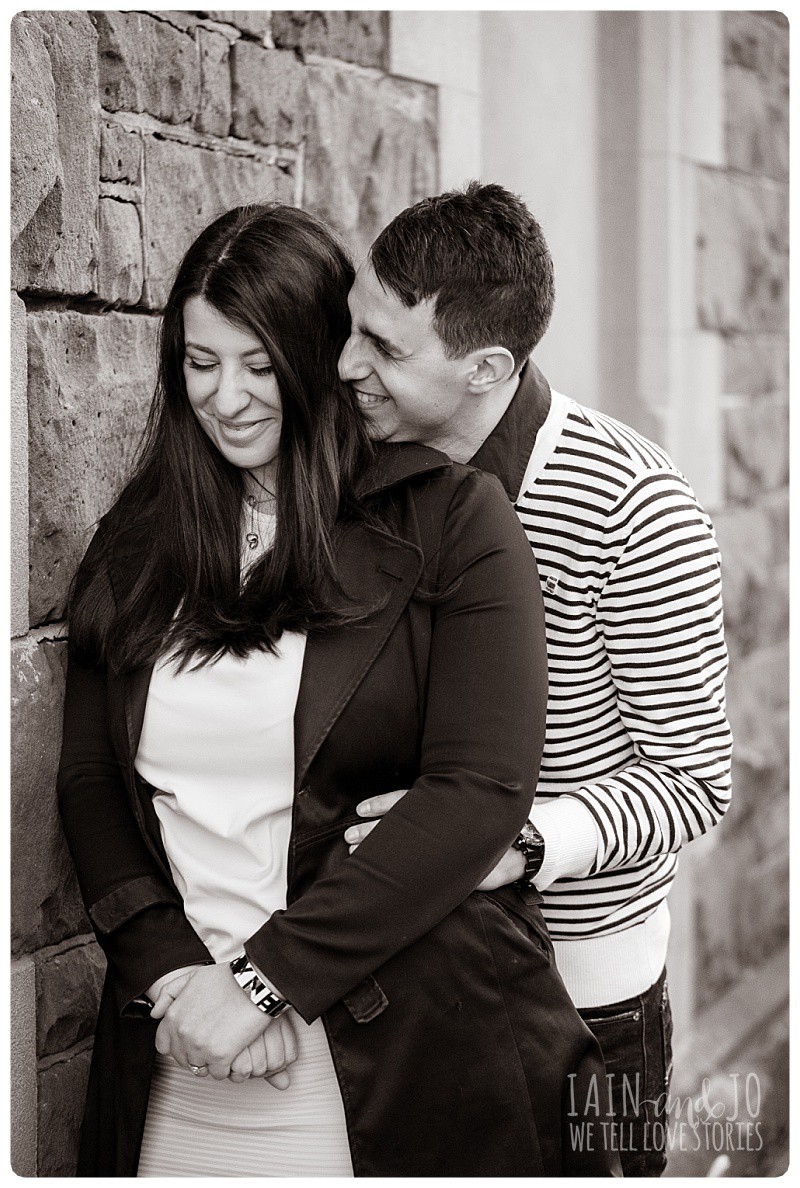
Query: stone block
[
  {"x": 756, "y": 364},
  {"x": 758, "y": 707},
  {"x": 269, "y": 95},
  {"x": 371, "y": 149},
  {"x": 741, "y": 916},
  {"x": 36, "y": 174},
  {"x": 756, "y": 123},
  {"x": 62, "y": 1094},
  {"x": 755, "y": 42},
  {"x": 147, "y": 65},
  {"x": 58, "y": 249},
  {"x": 257, "y": 24},
  {"x": 179, "y": 18},
  {"x": 23, "y": 1067},
  {"x": 717, "y": 917},
  {"x": 754, "y": 577},
  {"x": 18, "y": 443},
  {"x": 361, "y": 37},
  {"x": 90, "y": 383},
  {"x": 756, "y": 447},
  {"x": 770, "y": 824},
  {"x": 45, "y": 902},
  {"x": 742, "y": 259},
  {"x": 120, "y": 269},
  {"x": 215, "y": 110},
  {"x": 187, "y": 187},
  {"x": 776, "y": 508},
  {"x": 68, "y": 986},
  {"x": 120, "y": 155},
  {"x": 763, "y": 898},
  {"x": 754, "y": 787}
]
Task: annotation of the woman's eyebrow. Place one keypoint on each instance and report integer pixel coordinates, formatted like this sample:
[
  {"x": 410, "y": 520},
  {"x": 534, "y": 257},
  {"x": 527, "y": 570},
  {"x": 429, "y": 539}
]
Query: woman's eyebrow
[{"x": 198, "y": 346}]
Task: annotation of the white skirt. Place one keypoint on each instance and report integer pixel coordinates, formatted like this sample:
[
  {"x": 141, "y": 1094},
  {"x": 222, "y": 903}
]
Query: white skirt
[{"x": 197, "y": 1126}]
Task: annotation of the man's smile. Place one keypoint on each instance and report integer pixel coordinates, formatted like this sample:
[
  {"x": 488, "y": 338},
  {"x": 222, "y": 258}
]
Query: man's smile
[{"x": 370, "y": 399}]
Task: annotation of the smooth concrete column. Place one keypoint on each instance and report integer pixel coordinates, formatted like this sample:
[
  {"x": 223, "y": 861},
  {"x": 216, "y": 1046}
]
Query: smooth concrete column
[
  {"x": 443, "y": 48},
  {"x": 23, "y": 1067},
  {"x": 540, "y": 141},
  {"x": 680, "y": 374},
  {"x": 18, "y": 460}
]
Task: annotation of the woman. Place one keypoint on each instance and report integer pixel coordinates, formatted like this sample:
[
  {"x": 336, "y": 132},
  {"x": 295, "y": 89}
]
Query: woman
[{"x": 270, "y": 623}]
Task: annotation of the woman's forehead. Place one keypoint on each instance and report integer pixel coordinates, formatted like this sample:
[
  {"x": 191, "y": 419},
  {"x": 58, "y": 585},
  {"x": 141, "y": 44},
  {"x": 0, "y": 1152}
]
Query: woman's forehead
[{"x": 205, "y": 326}]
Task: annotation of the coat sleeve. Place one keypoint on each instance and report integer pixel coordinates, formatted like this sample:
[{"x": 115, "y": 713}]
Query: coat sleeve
[
  {"x": 136, "y": 913},
  {"x": 481, "y": 747}
]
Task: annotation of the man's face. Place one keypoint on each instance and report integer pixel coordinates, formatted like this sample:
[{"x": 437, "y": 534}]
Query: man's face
[{"x": 395, "y": 361}]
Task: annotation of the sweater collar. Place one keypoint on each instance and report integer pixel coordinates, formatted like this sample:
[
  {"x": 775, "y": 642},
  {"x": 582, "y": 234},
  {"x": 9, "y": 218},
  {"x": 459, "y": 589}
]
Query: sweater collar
[{"x": 507, "y": 449}]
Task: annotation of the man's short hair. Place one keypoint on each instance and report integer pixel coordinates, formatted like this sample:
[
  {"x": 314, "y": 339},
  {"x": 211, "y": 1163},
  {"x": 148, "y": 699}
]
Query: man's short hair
[{"x": 482, "y": 255}]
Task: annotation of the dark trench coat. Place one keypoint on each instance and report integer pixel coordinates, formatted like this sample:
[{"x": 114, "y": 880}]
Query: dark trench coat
[{"x": 452, "y": 1036}]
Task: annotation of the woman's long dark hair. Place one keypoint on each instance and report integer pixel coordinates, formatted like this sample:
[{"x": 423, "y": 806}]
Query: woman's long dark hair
[{"x": 281, "y": 274}]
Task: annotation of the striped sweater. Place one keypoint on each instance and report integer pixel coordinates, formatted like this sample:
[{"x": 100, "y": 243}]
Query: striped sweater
[{"x": 636, "y": 726}]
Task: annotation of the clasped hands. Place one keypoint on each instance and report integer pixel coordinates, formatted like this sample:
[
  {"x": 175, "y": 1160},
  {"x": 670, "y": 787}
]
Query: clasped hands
[{"x": 209, "y": 1023}]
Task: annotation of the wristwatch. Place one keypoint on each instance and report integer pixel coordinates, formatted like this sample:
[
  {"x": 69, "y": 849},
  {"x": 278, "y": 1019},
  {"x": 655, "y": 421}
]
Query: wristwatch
[
  {"x": 260, "y": 995},
  {"x": 531, "y": 844}
]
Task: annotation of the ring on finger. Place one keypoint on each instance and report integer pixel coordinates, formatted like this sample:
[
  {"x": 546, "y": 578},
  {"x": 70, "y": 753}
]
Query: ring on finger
[{"x": 198, "y": 1069}]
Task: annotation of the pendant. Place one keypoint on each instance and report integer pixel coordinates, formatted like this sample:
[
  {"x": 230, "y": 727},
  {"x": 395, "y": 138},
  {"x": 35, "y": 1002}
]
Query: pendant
[{"x": 252, "y": 540}]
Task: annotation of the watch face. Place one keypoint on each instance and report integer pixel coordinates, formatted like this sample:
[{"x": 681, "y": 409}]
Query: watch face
[{"x": 531, "y": 843}]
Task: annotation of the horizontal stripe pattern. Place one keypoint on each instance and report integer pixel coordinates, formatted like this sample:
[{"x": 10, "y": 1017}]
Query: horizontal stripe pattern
[
  {"x": 197, "y": 1126},
  {"x": 636, "y": 725}
]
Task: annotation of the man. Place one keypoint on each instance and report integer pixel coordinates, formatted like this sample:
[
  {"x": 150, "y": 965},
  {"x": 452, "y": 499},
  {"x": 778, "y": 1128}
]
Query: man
[{"x": 453, "y": 297}]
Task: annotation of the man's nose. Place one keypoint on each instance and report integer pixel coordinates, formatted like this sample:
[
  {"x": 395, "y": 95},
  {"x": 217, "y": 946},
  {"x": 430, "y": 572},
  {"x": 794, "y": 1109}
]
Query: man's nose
[{"x": 353, "y": 362}]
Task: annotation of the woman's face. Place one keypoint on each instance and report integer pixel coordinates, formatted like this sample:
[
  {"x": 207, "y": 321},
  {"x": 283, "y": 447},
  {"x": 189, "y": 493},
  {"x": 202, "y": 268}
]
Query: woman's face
[{"x": 232, "y": 388}]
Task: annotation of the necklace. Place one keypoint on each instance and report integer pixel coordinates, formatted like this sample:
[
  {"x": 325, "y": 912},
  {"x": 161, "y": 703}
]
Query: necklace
[{"x": 254, "y": 505}]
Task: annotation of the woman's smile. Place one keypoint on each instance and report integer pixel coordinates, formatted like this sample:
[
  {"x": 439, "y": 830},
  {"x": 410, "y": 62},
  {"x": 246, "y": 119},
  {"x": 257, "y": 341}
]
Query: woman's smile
[{"x": 239, "y": 433}]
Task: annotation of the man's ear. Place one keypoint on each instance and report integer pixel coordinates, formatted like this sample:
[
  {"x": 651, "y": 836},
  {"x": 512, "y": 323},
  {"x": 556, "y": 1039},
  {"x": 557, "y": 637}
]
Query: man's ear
[{"x": 488, "y": 368}]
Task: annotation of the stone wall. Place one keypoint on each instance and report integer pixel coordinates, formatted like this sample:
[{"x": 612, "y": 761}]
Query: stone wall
[
  {"x": 743, "y": 276},
  {"x": 131, "y": 130}
]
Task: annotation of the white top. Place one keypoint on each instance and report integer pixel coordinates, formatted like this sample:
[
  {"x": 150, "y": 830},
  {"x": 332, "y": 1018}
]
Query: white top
[{"x": 218, "y": 744}]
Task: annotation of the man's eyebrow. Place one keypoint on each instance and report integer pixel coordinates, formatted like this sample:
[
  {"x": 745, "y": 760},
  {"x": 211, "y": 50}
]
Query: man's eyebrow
[{"x": 382, "y": 342}]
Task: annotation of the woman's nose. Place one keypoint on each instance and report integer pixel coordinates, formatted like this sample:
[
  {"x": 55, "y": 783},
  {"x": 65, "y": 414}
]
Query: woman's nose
[
  {"x": 353, "y": 363},
  {"x": 232, "y": 395}
]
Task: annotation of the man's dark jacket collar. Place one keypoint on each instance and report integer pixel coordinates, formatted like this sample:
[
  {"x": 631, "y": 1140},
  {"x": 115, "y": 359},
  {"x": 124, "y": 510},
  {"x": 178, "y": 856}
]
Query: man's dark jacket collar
[{"x": 508, "y": 447}]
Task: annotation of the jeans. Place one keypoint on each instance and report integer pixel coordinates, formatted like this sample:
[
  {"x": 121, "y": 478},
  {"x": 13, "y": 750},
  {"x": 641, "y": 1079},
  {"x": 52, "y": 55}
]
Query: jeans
[{"x": 635, "y": 1037}]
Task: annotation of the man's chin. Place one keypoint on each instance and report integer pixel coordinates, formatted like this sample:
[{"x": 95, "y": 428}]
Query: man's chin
[{"x": 378, "y": 432}]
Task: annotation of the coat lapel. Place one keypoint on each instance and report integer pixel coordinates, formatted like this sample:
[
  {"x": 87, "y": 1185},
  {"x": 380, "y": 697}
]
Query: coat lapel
[{"x": 381, "y": 571}]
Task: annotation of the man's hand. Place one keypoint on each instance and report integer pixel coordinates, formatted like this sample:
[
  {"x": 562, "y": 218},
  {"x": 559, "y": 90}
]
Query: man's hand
[
  {"x": 209, "y": 1022},
  {"x": 510, "y": 867},
  {"x": 269, "y": 1056},
  {"x": 375, "y": 807}
]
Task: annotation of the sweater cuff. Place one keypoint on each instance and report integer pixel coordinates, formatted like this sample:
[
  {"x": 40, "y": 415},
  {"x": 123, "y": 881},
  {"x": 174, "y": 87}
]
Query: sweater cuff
[{"x": 571, "y": 840}]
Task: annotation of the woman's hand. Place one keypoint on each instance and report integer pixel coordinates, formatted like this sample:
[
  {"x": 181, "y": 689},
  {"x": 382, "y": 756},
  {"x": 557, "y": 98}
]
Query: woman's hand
[
  {"x": 269, "y": 1056},
  {"x": 209, "y": 1022},
  {"x": 510, "y": 867}
]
